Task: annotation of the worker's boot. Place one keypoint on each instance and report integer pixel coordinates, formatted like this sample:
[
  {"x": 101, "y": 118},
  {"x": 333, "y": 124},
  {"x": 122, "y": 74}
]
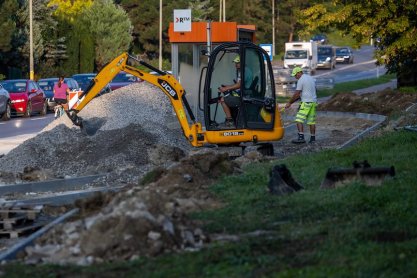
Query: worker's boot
[
  {"x": 312, "y": 139},
  {"x": 300, "y": 139},
  {"x": 229, "y": 123}
]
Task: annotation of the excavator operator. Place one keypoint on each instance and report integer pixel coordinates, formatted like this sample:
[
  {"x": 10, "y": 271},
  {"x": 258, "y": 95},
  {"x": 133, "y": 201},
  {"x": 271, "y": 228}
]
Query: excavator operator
[{"x": 231, "y": 93}]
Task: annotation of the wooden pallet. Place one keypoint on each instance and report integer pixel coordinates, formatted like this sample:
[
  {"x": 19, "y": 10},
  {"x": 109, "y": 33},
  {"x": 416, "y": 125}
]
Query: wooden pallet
[
  {"x": 18, "y": 220},
  {"x": 9, "y": 223},
  {"x": 10, "y": 212},
  {"x": 24, "y": 230}
]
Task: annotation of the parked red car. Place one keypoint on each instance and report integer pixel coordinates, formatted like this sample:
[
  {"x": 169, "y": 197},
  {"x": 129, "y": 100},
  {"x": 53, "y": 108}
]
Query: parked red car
[{"x": 26, "y": 97}]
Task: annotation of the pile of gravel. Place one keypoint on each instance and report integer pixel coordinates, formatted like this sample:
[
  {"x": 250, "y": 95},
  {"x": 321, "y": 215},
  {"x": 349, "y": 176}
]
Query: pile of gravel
[{"x": 127, "y": 123}]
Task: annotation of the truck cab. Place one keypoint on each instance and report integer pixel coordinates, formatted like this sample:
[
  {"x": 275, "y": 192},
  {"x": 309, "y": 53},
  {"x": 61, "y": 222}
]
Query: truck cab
[{"x": 301, "y": 54}]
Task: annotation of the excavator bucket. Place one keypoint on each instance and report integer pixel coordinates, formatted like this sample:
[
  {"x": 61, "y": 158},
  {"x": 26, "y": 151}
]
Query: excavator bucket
[
  {"x": 281, "y": 181},
  {"x": 361, "y": 172}
]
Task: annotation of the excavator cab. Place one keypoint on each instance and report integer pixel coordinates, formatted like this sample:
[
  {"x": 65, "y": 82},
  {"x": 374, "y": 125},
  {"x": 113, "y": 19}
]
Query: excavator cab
[{"x": 253, "y": 105}]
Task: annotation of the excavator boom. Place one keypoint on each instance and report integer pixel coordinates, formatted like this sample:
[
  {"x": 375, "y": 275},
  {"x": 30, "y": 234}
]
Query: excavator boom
[{"x": 166, "y": 82}]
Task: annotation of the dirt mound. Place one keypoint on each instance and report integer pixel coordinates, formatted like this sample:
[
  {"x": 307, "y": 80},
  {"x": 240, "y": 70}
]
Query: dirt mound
[
  {"x": 141, "y": 221},
  {"x": 386, "y": 102}
]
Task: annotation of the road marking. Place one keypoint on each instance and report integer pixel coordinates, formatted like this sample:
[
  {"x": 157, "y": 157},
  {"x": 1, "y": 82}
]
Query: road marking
[
  {"x": 39, "y": 118},
  {"x": 347, "y": 67}
]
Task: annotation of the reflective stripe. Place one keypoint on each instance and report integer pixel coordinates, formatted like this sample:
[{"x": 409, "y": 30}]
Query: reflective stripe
[{"x": 307, "y": 111}]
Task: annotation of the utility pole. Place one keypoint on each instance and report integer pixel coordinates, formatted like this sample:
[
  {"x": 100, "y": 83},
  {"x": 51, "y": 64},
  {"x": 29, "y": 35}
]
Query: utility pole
[
  {"x": 220, "y": 10},
  {"x": 160, "y": 34},
  {"x": 224, "y": 10},
  {"x": 31, "y": 71},
  {"x": 273, "y": 28}
]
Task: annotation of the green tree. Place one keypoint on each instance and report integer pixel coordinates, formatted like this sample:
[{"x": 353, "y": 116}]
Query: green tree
[
  {"x": 53, "y": 47},
  {"x": 19, "y": 53},
  {"x": 8, "y": 10},
  {"x": 201, "y": 10},
  {"x": 392, "y": 22},
  {"x": 109, "y": 27}
]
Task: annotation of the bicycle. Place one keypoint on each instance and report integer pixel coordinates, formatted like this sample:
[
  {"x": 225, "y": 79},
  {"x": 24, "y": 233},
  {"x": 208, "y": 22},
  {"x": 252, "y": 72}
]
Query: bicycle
[{"x": 59, "y": 111}]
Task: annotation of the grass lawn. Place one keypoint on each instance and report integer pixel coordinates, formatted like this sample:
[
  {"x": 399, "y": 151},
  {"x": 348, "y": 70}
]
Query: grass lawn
[
  {"x": 350, "y": 86},
  {"x": 355, "y": 85},
  {"x": 352, "y": 231}
]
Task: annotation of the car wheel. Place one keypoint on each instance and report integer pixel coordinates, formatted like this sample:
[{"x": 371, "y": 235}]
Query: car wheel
[
  {"x": 44, "y": 109},
  {"x": 8, "y": 113},
  {"x": 28, "y": 111}
]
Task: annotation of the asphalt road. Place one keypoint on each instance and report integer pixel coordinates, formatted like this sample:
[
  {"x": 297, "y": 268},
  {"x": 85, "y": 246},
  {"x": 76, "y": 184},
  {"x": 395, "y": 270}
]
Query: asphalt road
[
  {"x": 363, "y": 67},
  {"x": 18, "y": 129}
]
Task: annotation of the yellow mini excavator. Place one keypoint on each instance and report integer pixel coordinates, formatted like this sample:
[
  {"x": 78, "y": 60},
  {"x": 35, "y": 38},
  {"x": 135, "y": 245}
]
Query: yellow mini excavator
[{"x": 256, "y": 117}]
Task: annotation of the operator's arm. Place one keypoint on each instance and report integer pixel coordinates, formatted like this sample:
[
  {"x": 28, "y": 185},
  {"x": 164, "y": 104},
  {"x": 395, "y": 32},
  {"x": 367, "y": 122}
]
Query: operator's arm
[
  {"x": 230, "y": 87},
  {"x": 296, "y": 96}
]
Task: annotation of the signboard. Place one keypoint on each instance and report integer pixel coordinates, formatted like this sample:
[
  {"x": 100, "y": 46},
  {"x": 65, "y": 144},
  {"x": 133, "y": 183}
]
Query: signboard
[
  {"x": 182, "y": 20},
  {"x": 268, "y": 49}
]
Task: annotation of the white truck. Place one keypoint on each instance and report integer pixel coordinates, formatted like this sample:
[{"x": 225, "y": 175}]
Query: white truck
[{"x": 301, "y": 54}]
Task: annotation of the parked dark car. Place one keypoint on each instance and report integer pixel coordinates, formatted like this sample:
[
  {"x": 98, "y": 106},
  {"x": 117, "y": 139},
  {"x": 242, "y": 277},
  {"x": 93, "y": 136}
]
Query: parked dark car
[
  {"x": 47, "y": 85},
  {"x": 344, "y": 55},
  {"x": 326, "y": 57},
  {"x": 5, "y": 104},
  {"x": 26, "y": 97},
  {"x": 123, "y": 79},
  {"x": 84, "y": 80},
  {"x": 319, "y": 38}
]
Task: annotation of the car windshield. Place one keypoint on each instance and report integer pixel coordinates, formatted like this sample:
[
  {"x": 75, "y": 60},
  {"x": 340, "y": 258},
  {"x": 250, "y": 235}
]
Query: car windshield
[
  {"x": 124, "y": 77},
  {"x": 83, "y": 80},
  {"x": 342, "y": 51},
  {"x": 324, "y": 51},
  {"x": 318, "y": 37},
  {"x": 47, "y": 85},
  {"x": 296, "y": 54},
  {"x": 15, "y": 87}
]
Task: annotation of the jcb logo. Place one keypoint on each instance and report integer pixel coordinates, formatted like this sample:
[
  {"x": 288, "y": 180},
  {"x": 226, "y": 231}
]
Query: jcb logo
[{"x": 168, "y": 89}]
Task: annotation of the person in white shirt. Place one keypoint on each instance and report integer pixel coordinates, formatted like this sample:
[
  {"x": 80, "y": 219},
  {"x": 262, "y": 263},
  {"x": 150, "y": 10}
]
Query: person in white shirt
[{"x": 306, "y": 91}]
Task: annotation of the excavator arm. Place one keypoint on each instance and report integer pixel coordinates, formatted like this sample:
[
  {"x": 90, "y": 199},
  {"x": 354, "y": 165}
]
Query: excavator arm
[{"x": 166, "y": 82}]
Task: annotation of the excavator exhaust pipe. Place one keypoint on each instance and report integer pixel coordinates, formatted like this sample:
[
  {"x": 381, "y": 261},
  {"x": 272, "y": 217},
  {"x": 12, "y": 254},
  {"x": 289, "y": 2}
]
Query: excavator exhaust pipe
[{"x": 361, "y": 172}]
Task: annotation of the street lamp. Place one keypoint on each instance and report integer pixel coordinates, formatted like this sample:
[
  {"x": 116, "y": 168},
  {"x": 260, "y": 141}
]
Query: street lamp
[{"x": 31, "y": 71}]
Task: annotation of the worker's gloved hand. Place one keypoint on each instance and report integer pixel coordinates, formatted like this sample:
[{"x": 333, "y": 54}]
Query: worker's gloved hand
[{"x": 223, "y": 89}]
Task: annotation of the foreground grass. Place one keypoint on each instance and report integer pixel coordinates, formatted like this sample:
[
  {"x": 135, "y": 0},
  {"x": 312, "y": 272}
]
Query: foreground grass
[{"x": 353, "y": 231}]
